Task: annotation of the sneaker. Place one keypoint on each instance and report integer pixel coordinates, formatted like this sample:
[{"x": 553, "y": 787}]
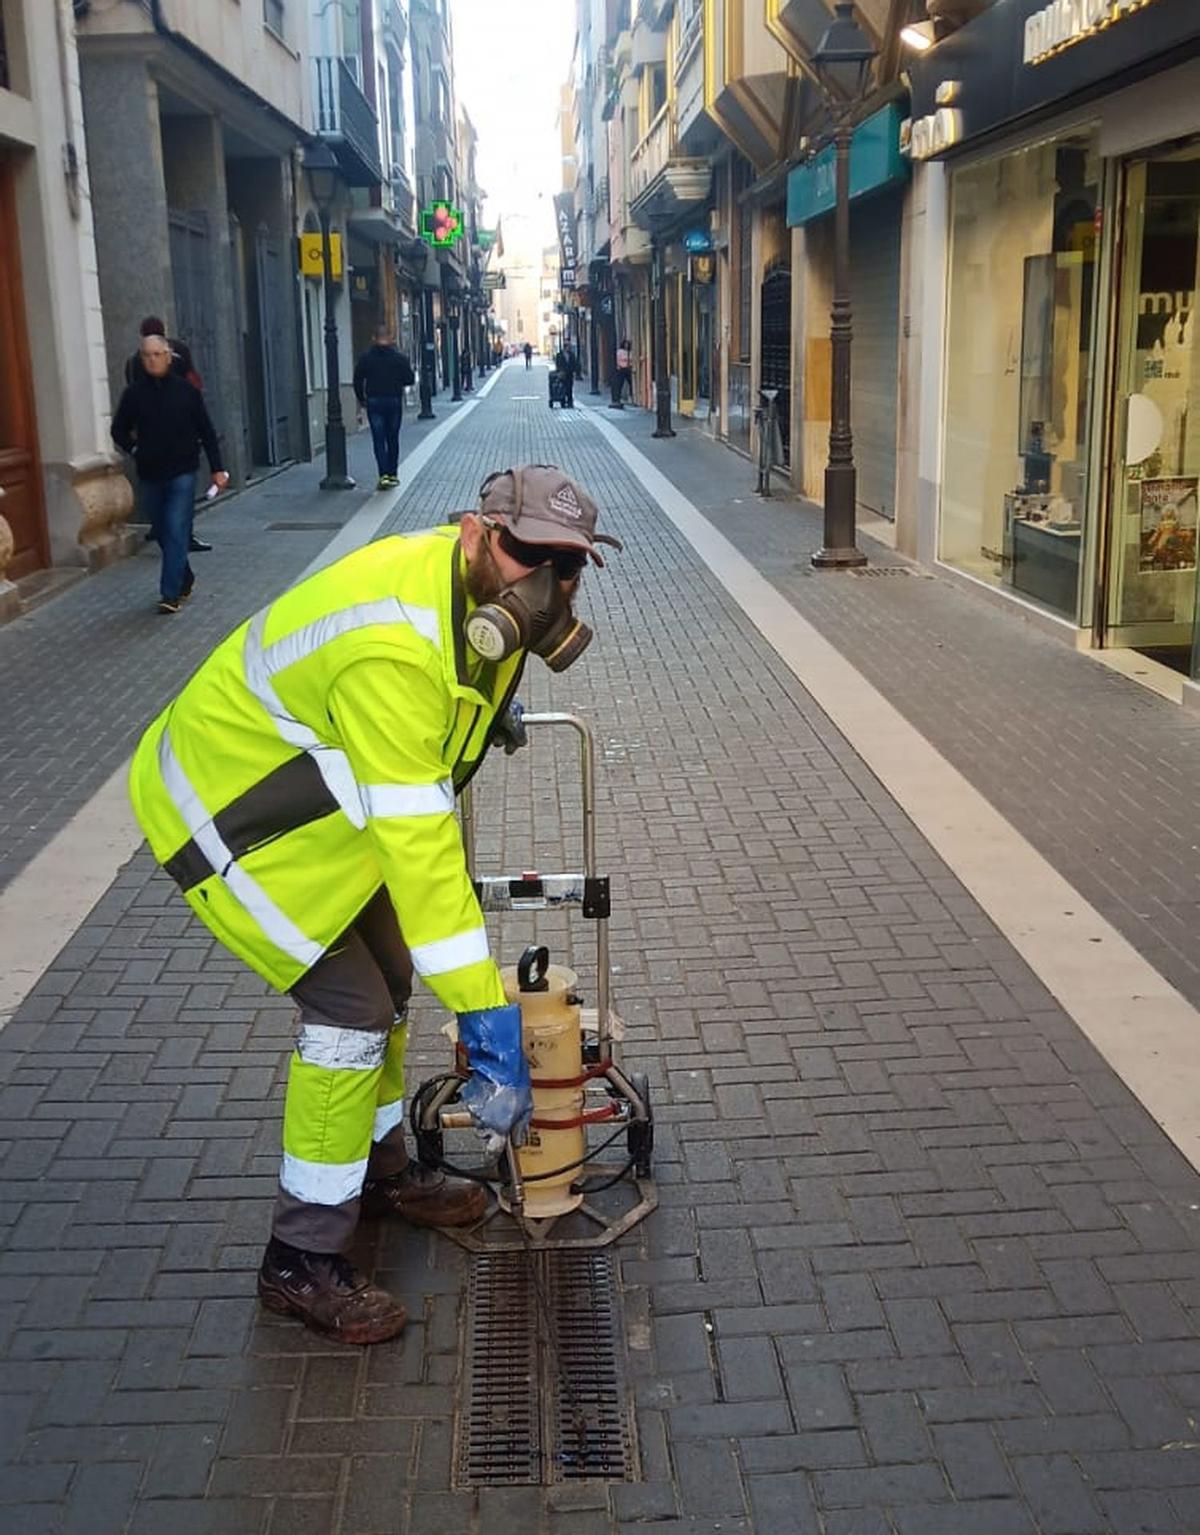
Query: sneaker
[
  {"x": 198, "y": 546},
  {"x": 425, "y": 1197},
  {"x": 169, "y": 604},
  {"x": 383, "y": 482},
  {"x": 328, "y": 1294}
]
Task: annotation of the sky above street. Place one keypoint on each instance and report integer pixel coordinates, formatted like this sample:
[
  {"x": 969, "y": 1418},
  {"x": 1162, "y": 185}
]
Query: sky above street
[{"x": 511, "y": 58}]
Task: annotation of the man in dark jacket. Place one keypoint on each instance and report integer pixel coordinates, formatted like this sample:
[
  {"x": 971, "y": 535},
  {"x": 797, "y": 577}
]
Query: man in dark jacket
[
  {"x": 564, "y": 362},
  {"x": 381, "y": 376},
  {"x": 182, "y": 364},
  {"x": 161, "y": 420}
]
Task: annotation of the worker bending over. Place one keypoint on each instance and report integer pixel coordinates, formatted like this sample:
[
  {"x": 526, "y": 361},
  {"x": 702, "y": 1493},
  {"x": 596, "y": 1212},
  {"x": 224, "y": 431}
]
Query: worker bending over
[{"x": 300, "y": 790}]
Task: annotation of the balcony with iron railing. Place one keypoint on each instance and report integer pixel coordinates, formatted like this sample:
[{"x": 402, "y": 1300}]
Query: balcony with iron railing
[
  {"x": 399, "y": 196},
  {"x": 664, "y": 185},
  {"x": 343, "y": 116},
  {"x": 691, "y": 29},
  {"x": 651, "y": 154}
]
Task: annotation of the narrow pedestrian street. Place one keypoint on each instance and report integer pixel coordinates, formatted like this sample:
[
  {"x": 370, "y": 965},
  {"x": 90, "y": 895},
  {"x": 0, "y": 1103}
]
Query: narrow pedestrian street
[{"x": 925, "y": 1260}]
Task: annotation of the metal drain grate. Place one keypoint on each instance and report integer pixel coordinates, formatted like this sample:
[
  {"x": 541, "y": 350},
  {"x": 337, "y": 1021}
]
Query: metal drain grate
[
  {"x": 891, "y": 570},
  {"x": 517, "y": 1423},
  {"x": 304, "y": 527}
]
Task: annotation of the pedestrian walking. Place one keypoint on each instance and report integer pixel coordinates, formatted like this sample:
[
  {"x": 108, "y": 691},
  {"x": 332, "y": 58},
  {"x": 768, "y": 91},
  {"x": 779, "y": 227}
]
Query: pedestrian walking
[
  {"x": 566, "y": 367},
  {"x": 528, "y": 350},
  {"x": 625, "y": 369},
  {"x": 161, "y": 420},
  {"x": 381, "y": 375},
  {"x": 301, "y": 792},
  {"x": 181, "y": 364}
]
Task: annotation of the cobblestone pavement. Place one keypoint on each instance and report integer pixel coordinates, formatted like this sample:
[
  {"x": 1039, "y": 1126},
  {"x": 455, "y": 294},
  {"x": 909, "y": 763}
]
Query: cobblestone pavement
[
  {"x": 921, "y": 1265},
  {"x": 1099, "y": 774}
]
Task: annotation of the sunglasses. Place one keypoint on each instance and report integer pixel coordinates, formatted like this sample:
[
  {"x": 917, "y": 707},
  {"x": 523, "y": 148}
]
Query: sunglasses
[{"x": 566, "y": 563}]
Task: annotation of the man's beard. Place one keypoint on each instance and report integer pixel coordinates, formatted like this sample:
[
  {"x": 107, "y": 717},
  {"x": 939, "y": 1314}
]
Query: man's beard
[{"x": 483, "y": 579}]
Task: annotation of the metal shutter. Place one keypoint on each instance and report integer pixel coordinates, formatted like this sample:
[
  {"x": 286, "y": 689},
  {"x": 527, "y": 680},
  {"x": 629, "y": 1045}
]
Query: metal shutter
[{"x": 874, "y": 395}]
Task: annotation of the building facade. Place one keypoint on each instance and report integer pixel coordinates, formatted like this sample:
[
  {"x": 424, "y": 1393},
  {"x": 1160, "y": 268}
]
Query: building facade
[
  {"x": 63, "y": 498},
  {"x": 195, "y": 116}
]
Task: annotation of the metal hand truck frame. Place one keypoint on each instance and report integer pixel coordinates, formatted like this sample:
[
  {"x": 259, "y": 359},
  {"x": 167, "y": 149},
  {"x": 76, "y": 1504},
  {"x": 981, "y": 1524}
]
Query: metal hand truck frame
[{"x": 626, "y": 1097}]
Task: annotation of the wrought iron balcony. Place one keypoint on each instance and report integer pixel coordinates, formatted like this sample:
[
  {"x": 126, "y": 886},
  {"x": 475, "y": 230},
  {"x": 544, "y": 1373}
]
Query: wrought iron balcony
[
  {"x": 343, "y": 116},
  {"x": 664, "y": 186}
]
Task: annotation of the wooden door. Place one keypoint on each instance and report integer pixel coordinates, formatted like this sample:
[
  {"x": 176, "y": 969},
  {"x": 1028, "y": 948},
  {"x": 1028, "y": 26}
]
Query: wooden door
[{"x": 22, "y": 502}]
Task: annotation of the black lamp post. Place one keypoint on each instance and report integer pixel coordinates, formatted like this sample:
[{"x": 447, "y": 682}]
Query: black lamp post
[
  {"x": 662, "y": 377},
  {"x": 322, "y": 171},
  {"x": 843, "y": 64},
  {"x": 453, "y": 317}
]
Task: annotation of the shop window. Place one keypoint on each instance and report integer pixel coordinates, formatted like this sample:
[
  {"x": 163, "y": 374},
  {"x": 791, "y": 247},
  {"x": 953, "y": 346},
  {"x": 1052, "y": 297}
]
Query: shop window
[{"x": 1019, "y": 344}]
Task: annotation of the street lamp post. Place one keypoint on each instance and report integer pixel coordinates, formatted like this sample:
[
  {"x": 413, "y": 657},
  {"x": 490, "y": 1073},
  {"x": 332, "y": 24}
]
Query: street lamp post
[
  {"x": 843, "y": 62},
  {"x": 614, "y": 382},
  {"x": 428, "y": 354},
  {"x": 453, "y": 313},
  {"x": 321, "y": 169},
  {"x": 662, "y": 379}
]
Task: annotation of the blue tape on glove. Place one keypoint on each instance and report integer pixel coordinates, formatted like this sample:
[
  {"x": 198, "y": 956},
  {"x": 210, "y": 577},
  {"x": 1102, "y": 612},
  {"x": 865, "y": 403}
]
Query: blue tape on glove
[{"x": 498, "y": 1095}]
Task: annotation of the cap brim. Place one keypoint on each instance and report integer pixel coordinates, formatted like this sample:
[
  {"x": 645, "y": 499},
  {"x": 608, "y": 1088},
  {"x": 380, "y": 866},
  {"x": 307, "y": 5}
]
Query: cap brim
[{"x": 532, "y": 529}]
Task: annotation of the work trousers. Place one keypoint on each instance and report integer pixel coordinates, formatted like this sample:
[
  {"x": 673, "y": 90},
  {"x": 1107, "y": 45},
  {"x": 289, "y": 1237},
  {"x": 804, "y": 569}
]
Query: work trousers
[{"x": 343, "y": 1117}]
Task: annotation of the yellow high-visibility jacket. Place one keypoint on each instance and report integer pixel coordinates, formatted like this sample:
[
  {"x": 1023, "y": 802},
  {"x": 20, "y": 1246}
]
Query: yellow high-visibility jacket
[{"x": 316, "y": 755}]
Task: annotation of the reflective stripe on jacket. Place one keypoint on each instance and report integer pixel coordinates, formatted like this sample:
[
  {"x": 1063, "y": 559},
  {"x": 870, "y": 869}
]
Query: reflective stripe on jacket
[{"x": 316, "y": 755}]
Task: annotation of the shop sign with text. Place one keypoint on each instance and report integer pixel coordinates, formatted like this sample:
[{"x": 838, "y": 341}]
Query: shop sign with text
[
  {"x": 1024, "y": 58},
  {"x": 1064, "y": 22}
]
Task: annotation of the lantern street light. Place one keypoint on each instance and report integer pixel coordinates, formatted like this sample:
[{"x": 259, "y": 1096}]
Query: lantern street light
[
  {"x": 321, "y": 169},
  {"x": 842, "y": 61}
]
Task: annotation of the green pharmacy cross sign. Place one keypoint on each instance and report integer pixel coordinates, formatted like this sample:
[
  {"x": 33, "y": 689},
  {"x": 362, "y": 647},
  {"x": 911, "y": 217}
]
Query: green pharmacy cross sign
[{"x": 441, "y": 224}]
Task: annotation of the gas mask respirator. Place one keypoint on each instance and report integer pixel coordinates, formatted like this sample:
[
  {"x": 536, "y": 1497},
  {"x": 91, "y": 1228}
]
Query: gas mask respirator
[{"x": 531, "y": 614}]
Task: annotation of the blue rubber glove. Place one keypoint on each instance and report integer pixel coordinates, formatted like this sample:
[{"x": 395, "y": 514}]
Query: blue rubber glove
[
  {"x": 509, "y": 730},
  {"x": 498, "y": 1093}
]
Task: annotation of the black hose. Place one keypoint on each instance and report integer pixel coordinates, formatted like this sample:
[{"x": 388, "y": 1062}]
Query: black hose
[{"x": 478, "y": 1175}]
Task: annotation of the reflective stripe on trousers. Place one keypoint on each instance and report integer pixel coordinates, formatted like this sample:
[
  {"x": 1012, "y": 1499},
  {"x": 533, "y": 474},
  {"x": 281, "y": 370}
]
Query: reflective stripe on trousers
[{"x": 345, "y": 1096}]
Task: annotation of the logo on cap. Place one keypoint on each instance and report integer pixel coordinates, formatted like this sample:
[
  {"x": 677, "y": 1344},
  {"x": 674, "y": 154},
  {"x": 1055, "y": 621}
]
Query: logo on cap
[{"x": 565, "y": 500}]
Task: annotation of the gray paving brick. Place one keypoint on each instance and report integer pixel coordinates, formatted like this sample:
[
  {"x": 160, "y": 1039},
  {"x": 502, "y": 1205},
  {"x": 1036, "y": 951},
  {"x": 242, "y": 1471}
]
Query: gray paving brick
[
  {"x": 708, "y": 1478},
  {"x": 894, "y": 1428}
]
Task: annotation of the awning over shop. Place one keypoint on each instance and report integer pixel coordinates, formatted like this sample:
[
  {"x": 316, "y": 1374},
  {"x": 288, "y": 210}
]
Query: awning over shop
[{"x": 875, "y": 162}]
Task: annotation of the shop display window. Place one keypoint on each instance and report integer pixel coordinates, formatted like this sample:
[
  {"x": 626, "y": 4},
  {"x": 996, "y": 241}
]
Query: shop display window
[{"x": 1019, "y": 341}]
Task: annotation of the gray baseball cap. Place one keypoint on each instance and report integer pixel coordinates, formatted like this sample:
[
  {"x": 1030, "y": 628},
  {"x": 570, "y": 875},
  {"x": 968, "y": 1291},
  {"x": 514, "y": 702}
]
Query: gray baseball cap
[{"x": 542, "y": 505}]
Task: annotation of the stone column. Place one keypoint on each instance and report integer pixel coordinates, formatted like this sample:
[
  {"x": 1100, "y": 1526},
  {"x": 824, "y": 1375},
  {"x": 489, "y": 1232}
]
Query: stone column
[{"x": 129, "y": 200}]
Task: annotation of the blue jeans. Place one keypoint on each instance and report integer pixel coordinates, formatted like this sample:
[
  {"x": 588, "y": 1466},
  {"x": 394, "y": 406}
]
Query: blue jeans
[
  {"x": 167, "y": 506},
  {"x": 384, "y": 412}
]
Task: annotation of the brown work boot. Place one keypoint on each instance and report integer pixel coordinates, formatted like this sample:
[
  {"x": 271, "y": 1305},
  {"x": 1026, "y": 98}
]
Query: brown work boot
[
  {"x": 424, "y": 1196},
  {"x": 328, "y": 1294}
]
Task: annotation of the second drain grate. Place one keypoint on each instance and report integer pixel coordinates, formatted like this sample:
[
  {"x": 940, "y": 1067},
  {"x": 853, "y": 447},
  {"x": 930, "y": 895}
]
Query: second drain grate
[{"x": 517, "y": 1421}]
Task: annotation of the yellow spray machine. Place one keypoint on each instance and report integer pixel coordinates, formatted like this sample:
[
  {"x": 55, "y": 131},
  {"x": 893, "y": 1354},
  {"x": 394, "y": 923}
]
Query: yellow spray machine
[{"x": 557, "y": 1191}]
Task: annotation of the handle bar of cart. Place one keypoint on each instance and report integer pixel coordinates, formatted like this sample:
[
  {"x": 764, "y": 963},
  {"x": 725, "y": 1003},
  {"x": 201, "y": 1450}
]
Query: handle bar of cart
[{"x": 589, "y": 891}]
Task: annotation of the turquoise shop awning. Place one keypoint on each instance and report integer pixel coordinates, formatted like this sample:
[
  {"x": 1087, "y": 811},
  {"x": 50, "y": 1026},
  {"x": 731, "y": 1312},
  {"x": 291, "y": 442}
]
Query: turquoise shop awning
[{"x": 875, "y": 162}]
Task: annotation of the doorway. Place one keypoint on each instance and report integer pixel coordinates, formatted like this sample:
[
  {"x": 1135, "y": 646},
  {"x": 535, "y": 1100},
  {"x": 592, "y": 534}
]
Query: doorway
[
  {"x": 21, "y": 499},
  {"x": 1156, "y": 459},
  {"x": 777, "y": 348}
]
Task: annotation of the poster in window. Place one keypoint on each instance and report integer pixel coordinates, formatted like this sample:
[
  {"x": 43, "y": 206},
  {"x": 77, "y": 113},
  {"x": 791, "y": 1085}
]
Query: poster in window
[{"x": 1168, "y": 516}]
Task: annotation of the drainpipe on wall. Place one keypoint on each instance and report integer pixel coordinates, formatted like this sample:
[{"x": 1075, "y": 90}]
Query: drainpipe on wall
[{"x": 70, "y": 154}]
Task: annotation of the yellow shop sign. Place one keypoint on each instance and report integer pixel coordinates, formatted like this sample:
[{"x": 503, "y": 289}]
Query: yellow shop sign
[{"x": 312, "y": 263}]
